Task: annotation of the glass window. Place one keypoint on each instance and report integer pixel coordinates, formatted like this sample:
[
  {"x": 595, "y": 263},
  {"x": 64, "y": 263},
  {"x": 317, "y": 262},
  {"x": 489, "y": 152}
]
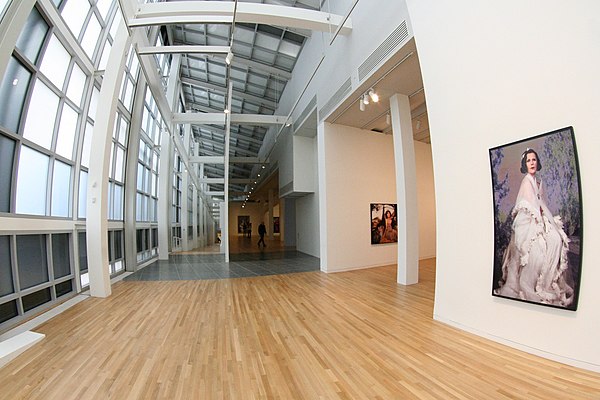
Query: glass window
[
  {"x": 61, "y": 260},
  {"x": 66, "y": 132},
  {"x": 94, "y": 104},
  {"x": 63, "y": 288},
  {"x": 41, "y": 115},
  {"x": 87, "y": 145},
  {"x": 32, "y": 260},
  {"x": 82, "y": 204},
  {"x": 7, "y": 151},
  {"x": 61, "y": 190},
  {"x": 104, "y": 58},
  {"x": 36, "y": 299},
  {"x": 118, "y": 202},
  {"x": 6, "y": 278},
  {"x": 91, "y": 36},
  {"x": 56, "y": 61},
  {"x": 12, "y": 94},
  {"x": 118, "y": 244},
  {"x": 32, "y": 36},
  {"x": 8, "y": 311},
  {"x": 76, "y": 85},
  {"x": 74, "y": 14},
  {"x": 104, "y": 7},
  {"x": 32, "y": 182},
  {"x": 82, "y": 246},
  {"x": 120, "y": 163}
]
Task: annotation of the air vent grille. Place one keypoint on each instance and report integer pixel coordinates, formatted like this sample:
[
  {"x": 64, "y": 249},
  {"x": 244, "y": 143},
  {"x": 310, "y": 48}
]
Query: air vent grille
[
  {"x": 399, "y": 35},
  {"x": 307, "y": 110}
]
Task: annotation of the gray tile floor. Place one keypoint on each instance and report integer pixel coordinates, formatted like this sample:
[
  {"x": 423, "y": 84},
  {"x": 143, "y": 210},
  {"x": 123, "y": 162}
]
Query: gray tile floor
[{"x": 213, "y": 266}]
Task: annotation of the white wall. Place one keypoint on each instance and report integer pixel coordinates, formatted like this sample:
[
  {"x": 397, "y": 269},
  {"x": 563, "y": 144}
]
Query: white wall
[
  {"x": 359, "y": 171},
  {"x": 496, "y": 72},
  {"x": 426, "y": 200},
  {"x": 307, "y": 217}
]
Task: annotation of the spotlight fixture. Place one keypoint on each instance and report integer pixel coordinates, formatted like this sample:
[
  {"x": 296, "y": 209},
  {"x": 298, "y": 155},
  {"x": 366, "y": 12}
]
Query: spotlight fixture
[
  {"x": 226, "y": 111},
  {"x": 259, "y": 175},
  {"x": 229, "y": 57},
  {"x": 365, "y": 99},
  {"x": 374, "y": 96},
  {"x": 388, "y": 119},
  {"x": 361, "y": 105}
]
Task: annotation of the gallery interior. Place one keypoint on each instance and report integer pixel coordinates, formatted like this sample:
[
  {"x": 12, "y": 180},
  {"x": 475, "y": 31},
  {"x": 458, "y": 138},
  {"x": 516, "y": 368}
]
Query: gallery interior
[{"x": 143, "y": 142}]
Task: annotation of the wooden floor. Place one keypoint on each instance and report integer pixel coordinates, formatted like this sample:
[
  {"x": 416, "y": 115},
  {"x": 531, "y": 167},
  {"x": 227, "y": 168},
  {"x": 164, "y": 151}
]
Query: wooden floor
[{"x": 351, "y": 335}]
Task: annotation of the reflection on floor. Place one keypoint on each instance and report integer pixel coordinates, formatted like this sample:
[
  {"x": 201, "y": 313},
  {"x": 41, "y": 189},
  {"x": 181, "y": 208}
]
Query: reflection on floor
[{"x": 246, "y": 259}]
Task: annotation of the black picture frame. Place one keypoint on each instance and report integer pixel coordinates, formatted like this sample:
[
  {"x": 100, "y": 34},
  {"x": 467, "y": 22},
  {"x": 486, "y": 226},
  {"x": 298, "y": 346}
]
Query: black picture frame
[
  {"x": 384, "y": 229},
  {"x": 538, "y": 220}
]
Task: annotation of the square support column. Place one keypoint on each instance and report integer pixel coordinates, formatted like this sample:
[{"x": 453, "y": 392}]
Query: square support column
[{"x": 406, "y": 191}]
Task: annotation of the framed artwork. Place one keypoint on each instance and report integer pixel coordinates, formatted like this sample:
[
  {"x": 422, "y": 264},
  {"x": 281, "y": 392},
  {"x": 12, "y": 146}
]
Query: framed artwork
[
  {"x": 243, "y": 223},
  {"x": 538, "y": 223},
  {"x": 276, "y": 225},
  {"x": 384, "y": 223}
]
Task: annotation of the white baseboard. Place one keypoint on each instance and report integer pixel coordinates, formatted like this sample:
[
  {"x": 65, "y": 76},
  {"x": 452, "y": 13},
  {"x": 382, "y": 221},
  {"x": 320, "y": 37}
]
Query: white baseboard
[{"x": 11, "y": 348}]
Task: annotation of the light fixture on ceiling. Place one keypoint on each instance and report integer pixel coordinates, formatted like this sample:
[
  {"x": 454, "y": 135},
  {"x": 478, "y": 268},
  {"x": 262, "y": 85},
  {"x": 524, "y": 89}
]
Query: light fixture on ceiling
[
  {"x": 374, "y": 96},
  {"x": 226, "y": 111},
  {"x": 361, "y": 105},
  {"x": 366, "y": 99},
  {"x": 229, "y": 57},
  {"x": 418, "y": 124},
  {"x": 388, "y": 119}
]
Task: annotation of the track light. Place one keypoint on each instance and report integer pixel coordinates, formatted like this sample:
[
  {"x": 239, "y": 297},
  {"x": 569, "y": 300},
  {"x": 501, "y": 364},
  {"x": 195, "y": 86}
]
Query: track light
[
  {"x": 365, "y": 99},
  {"x": 374, "y": 96},
  {"x": 388, "y": 119},
  {"x": 361, "y": 105},
  {"x": 229, "y": 57}
]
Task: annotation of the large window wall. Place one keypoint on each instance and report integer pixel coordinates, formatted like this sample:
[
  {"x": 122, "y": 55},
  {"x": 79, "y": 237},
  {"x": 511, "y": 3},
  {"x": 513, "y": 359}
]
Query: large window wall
[{"x": 48, "y": 100}]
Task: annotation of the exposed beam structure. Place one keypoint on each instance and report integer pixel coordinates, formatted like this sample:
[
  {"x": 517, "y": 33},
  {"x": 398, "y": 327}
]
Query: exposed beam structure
[
  {"x": 215, "y": 12},
  {"x": 149, "y": 50},
  {"x": 221, "y": 160},
  {"x": 219, "y": 118},
  {"x": 237, "y": 93}
]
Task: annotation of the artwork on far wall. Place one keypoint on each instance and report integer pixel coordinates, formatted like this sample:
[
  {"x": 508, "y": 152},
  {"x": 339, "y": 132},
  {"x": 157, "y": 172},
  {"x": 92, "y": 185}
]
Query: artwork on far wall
[
  {"x": 538, "y": 222},
  {"x": 243, "y": 223},
  {"x": 275, "y": 224},
  {"x": 384, "y": 223}
]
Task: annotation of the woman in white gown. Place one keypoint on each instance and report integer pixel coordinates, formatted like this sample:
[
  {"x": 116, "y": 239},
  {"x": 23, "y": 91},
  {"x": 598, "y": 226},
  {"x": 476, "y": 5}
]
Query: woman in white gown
[{"x": 535, "y": 260}]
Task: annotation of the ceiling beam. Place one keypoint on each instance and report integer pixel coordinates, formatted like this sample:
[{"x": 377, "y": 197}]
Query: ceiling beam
[
  {"x": 216, "y": 12},
  {"x": 246, "y": 96},
  {"x": 219, "y": 118},
  {"x": 221, "y": 160},
  {"x": 148, "y": 50}
]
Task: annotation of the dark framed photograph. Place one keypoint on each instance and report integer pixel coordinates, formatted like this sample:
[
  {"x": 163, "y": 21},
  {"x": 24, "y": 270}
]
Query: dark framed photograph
[
  {"x": 384, "y": 223},
  {"x": 243, "y": 223},
  {"x": 538, "y": 220}
]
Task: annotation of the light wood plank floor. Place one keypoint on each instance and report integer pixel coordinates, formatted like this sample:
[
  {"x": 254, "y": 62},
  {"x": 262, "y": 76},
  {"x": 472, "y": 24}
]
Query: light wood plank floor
[{"x": 352, "y": 335}]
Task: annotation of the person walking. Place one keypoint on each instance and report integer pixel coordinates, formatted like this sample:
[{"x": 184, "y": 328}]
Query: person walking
[{"x": 261, "y": 232}]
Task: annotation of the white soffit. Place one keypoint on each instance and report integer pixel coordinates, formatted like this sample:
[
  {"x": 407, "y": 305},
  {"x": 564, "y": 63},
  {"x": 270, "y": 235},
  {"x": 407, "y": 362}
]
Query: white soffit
[{"x": 200, "y": 12}]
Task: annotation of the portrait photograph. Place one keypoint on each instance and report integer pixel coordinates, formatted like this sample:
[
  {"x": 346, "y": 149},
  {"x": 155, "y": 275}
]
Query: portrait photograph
[
  {"x": 384, "y": 223},
  {"x": 537, "y": 220}
]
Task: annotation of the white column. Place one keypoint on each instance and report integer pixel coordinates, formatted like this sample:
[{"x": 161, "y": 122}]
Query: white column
[
  {"x": 195, "y": 213},
  {"x": 225, "y": 209},
  {"x": 97, "y": 195},
  {"x": 406, "y": 191},
  {"x": 165, "y": 191},
  {"x": 322, "y": 175},
  {"x": 185, "y": 183},
  {"x": 269, "y": 221}
]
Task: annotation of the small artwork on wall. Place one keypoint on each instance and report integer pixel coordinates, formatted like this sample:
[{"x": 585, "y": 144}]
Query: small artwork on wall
[
  {"x": 243, "y": 223},
  {"x": 384, "y": 223},
  {"x": 276, "y": 225},
  {"x": 537, "y": 220}
]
